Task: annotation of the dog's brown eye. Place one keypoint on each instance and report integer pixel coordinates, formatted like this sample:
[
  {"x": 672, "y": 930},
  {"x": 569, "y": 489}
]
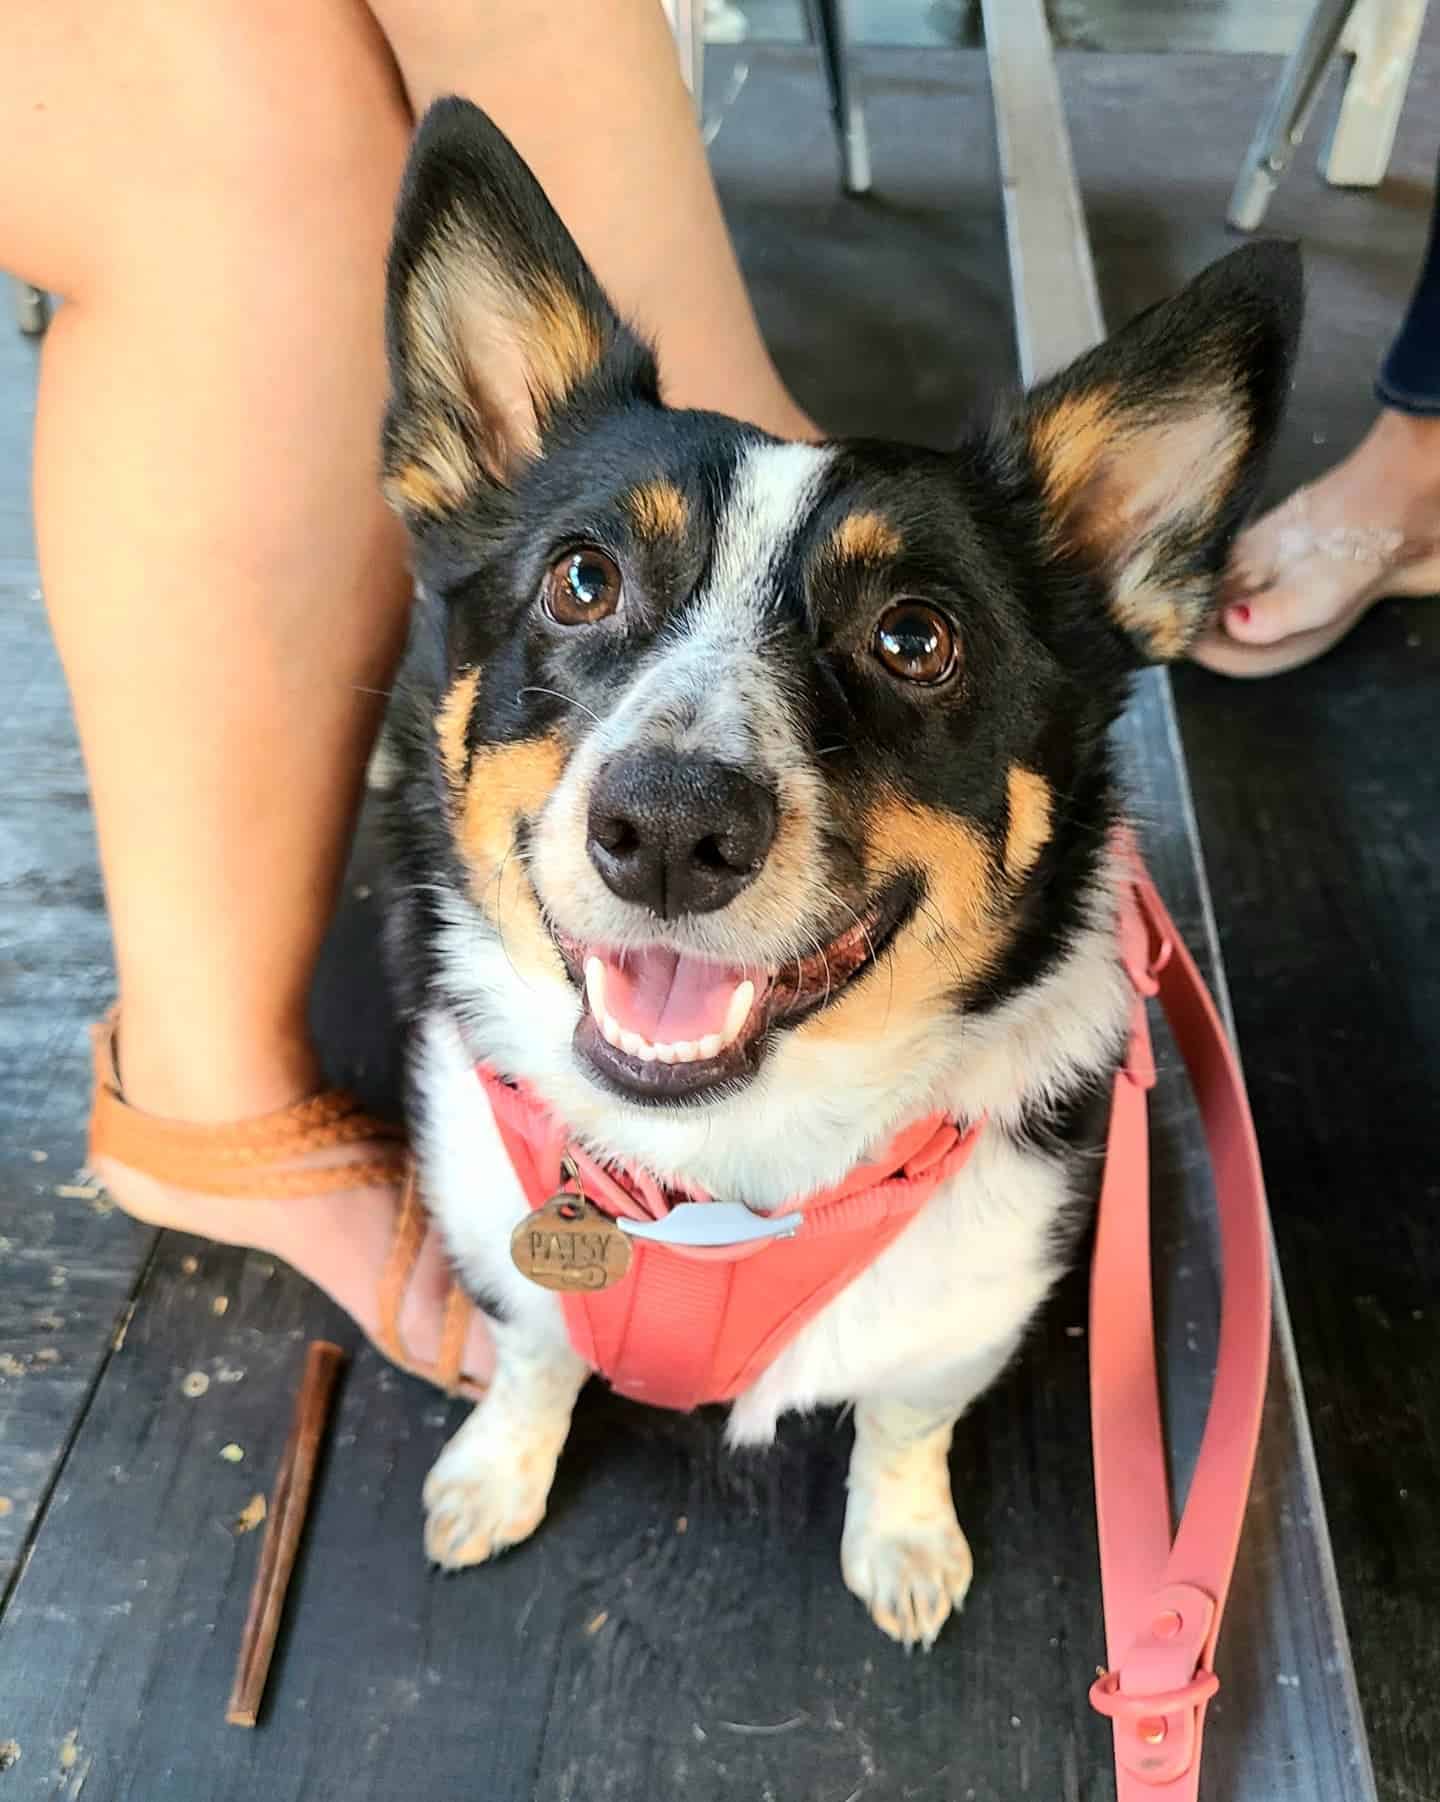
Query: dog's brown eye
[
  {"x": 916, "y": 643},
  {"x": 581, "y": 587}
]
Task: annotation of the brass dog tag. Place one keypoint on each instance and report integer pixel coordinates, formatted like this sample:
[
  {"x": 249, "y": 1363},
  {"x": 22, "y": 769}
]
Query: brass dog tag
[{"x": 568, "y": 1244}]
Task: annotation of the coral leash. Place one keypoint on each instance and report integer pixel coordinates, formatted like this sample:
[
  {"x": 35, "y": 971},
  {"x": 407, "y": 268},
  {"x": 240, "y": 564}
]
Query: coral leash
[
  {"x": 1164, "y": 1598},
  {"x": 681, "y": 1319}
]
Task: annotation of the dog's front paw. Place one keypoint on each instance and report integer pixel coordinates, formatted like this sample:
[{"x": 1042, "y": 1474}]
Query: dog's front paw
[
  {"x": 909, "y": 1574},
  {"x": 481, "y": 1498}
]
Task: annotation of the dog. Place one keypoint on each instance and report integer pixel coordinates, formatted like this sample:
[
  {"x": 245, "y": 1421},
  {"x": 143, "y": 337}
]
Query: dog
[{"x": 755, "y": 801}]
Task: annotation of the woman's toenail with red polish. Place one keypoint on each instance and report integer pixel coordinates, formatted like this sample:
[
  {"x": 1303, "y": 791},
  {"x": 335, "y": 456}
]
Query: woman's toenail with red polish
[{"x": 1240, "y": 614}]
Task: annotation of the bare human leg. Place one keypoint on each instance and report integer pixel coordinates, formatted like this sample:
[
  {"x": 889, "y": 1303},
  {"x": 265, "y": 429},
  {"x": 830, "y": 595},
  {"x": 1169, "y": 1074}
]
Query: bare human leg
[{"x": 211, "y": 189}]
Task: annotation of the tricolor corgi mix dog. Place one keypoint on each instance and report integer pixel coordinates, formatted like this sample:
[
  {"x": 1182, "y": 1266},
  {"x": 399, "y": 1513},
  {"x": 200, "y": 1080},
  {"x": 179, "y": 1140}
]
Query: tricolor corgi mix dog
[{"x": 757, "y": 803}]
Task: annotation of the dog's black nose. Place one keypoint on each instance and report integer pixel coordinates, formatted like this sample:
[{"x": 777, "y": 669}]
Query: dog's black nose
[{"x": 679, "y": 835}]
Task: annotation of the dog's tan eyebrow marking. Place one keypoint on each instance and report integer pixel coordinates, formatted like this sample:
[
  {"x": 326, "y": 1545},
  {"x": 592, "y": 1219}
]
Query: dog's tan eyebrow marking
[
  {"x": 865, "y": 537},
  {"x": 658, "y": 509},
  {"x": 451, "y": 721},
  {"x": 1031, "y": 809}
]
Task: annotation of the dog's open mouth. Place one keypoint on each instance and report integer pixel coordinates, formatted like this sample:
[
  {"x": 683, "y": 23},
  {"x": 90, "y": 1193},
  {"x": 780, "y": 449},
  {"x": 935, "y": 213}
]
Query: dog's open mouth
[{"x": 663, "y": 1025}]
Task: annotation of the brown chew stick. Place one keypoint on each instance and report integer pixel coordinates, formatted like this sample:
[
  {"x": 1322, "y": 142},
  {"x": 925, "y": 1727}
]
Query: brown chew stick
[{"x": 286, "y": 1523}]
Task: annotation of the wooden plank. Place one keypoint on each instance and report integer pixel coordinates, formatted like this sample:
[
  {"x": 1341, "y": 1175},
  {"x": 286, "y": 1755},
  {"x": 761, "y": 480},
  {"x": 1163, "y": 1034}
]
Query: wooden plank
[{"x": 1052, "y": 277}]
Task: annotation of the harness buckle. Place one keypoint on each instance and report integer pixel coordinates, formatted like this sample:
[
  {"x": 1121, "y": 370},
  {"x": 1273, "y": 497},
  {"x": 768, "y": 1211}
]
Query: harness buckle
[{"x": 1157, "y": 1714}]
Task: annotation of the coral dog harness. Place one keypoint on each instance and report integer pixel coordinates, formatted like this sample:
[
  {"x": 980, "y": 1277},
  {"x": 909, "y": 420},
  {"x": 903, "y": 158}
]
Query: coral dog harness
[
  {"x": 708, "y": 1293},
  {"x": 692, "y": 1323}
]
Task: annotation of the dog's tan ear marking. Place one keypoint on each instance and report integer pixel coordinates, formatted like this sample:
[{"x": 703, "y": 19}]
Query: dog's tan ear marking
[
  {"x": 438, "y": 479},
  {"x": 1067, "y": 441},
  {"x": 568, "y": 347},
  {"x": 659, "y": 510},
  {"x": 1139, "y": 497},
  {"x": 491, "y": 361},
  {"x": 494, "y": 322},
  {"x": 864, "y": 537},
  {"x": 1031, "y": 806},
  {"x": 1148, "y": 450}
]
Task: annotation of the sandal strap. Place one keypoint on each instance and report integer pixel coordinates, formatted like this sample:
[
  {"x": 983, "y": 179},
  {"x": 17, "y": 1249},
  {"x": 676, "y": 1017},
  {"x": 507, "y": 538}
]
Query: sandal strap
[
  {"x": 456, "y": 1330},
  {"x": 243, "y": 1157},
  {"x": 411, "y": 1225},
  {"x": 240, "y": 1158},
  {"x": 411, "y": 1229}
]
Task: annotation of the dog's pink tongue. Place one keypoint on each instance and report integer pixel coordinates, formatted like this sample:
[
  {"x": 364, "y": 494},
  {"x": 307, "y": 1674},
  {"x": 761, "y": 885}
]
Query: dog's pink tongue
[{"x": 666, "y": 997}]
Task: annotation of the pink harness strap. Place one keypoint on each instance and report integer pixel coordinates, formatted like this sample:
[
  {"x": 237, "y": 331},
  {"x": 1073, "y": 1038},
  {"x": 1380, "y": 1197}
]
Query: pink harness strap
[{"x": 687, "y": 1325}]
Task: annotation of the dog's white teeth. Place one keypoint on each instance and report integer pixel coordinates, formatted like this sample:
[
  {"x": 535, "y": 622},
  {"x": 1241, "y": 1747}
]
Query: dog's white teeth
[
  {"x": 680, "y": 1051},
  {"x": 738, "y": 1012},
  {"x": 595, "y": 987}
]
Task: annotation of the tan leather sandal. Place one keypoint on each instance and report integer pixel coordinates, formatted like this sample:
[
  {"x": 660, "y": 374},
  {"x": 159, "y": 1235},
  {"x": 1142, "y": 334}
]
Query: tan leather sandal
[{"x": 273, "y": 1157}]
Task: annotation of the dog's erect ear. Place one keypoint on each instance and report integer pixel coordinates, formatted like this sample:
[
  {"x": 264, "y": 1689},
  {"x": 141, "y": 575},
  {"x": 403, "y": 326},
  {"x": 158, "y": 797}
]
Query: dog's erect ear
[
  {"x": 1150, "y": 448},
  {"x": 494, "y": 323}
]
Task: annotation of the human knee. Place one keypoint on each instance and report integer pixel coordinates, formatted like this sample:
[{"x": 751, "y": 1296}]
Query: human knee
[
  {"x": 270, "y": 129},
  {"x": 303, "y": 141}
]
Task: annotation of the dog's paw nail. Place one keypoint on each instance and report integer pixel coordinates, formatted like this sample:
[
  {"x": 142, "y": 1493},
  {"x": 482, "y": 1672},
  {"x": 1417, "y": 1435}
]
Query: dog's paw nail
[
  {"x": 470, "y": 1522},
  {"x": 911, "y": 1580}
]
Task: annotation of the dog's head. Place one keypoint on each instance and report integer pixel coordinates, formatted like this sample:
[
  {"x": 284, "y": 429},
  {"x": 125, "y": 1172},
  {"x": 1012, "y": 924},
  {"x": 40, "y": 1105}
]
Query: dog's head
[{"x": 764, "y": 762}]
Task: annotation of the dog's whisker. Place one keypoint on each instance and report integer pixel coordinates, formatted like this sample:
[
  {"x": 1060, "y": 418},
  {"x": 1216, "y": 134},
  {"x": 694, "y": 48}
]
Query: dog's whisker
[
  {"x": 498, "y": 882},
  {"x": 534, "y": 688}
]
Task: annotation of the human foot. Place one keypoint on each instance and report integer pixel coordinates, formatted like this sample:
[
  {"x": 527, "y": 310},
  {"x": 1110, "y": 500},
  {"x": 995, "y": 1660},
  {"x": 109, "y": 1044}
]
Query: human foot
[
  {"x": 1308, "y": 571},
  {"x": 317, "y": 1184}
]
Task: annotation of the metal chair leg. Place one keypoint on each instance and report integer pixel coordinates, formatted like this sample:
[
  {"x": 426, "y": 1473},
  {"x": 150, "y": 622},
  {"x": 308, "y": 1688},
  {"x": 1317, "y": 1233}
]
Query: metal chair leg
[
  {"x": 827, "y": 24},
  {"x": 687, "y": 25},
  {"x": 32, "y": 309},
  {"x": 1287, "y": 114},
  {"x": 1382, "y": 38}
]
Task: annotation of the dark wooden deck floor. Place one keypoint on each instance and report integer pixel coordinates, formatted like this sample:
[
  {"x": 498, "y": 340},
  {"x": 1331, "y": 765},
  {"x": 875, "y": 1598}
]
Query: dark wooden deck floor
[{"x": 680, "y": 1628}]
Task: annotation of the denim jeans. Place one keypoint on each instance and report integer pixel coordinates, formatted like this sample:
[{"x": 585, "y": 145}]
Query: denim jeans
[{"x": 1409, "y": 378}]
